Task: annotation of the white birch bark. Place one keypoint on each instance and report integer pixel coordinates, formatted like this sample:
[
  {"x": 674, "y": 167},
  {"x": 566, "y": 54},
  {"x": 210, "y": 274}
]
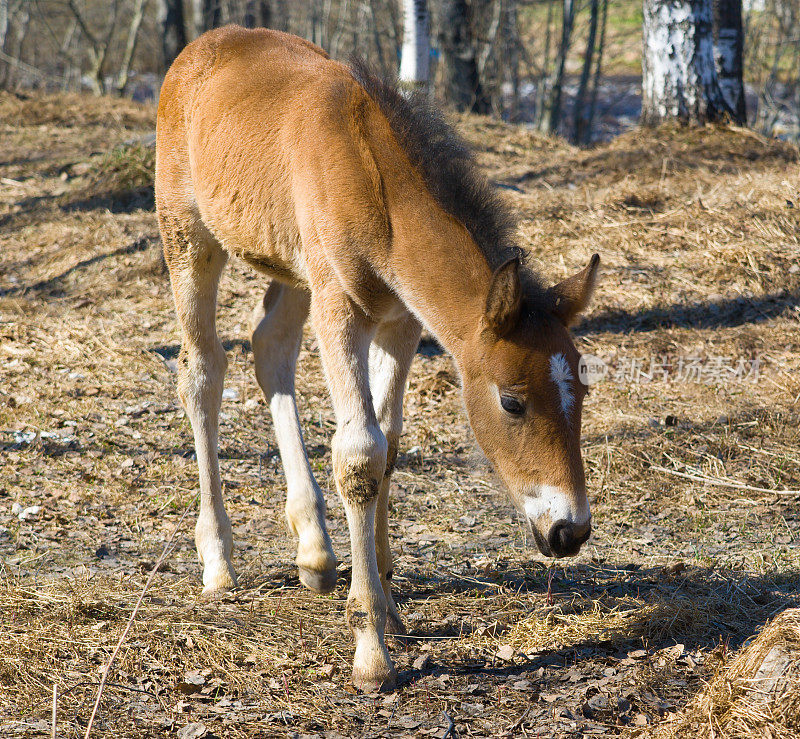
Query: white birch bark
[
  {"x": 679, "y": 78},
  {"x": 415, "y": 56}
]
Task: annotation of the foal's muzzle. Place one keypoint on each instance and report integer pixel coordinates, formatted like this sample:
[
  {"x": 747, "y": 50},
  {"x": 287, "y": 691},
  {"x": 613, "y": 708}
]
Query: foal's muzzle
[{"x": 563, "y": 540}]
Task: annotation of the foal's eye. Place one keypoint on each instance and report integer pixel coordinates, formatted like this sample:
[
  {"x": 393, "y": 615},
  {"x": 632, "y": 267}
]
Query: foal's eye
[{"x": 512, "y": 405}]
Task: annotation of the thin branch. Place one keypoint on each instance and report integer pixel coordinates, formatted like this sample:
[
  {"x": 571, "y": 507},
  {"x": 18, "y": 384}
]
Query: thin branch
[
  {"x": 82, "y": 23},
  {"x": 128, "y": 626},
  {"x": 723, "y": 482}
]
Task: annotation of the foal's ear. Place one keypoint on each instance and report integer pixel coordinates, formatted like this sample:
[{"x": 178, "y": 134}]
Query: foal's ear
[
  {"x": 572, "y": 295},
  {"x": 504, "y": 299}
]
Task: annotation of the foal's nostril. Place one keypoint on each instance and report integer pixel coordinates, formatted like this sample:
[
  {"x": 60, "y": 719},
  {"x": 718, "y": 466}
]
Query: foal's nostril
[
  {"x": 565, "y": 538},
  {"x": 559, "y": 538}
]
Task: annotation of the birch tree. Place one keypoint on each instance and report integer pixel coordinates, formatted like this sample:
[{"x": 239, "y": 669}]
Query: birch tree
[
  {"x": 130, "y": 45},
  {"x": 679, "y": 77},
  {"x": 415, "y": 55}
]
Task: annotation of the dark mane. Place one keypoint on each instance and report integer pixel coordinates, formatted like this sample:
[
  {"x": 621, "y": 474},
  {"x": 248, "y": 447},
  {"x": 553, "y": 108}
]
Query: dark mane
[
  {"x": 446, "y": 164},
  {"x": 451, "y": 174}
]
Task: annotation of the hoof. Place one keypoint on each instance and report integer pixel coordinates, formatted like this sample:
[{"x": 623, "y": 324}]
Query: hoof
[
  {"x": 372, "y": 683},
  {"x": 212, "y": 594},
  {"x": 394, "y": 625},
  {"x": 218, "y": 581},
  {"x": 319, "y": 581}
]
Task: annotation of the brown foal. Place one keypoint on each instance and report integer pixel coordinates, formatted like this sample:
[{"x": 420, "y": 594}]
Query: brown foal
[{"x": 370, "y": 216}]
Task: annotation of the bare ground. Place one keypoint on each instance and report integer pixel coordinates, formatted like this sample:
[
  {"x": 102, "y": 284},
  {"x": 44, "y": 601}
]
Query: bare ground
[{"x": 693, "y": 482}]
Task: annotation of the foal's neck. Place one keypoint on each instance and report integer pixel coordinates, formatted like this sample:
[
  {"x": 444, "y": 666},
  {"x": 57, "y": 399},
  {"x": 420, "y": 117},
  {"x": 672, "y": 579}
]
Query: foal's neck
[{"x": 441, "y": 273}]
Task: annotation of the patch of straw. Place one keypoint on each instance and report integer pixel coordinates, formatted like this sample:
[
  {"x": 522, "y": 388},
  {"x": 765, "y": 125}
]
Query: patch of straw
[
  {"x": 756, "y": 694},
  {"x": 629, "y": 619}
]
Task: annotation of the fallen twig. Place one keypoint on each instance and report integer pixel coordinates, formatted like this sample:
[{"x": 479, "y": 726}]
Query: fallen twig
[
  {"x": 451, "y": 725},
  {"x": 511, "y": 729},
  {"x": 721, "y": 481},
  {"x": 124, "y": 635}
]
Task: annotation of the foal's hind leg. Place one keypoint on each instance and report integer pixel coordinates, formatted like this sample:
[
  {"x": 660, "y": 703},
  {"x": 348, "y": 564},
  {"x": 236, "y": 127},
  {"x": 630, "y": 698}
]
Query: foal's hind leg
[
  {"x": 390, "y": 357},
  {"x": 277, "y": 332},
  {"x": 195, "y": 262}
]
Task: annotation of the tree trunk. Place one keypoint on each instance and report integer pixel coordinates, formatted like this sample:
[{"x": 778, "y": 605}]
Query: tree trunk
[
  {"x": 212, "y": 14},
  {"x": 540, "y": 105},
  {"x": 396, "y": 30},
  {"x": 173, "y": 30},
  {"x": 415, "y": 56},
  {"x": 3, "y": 23},
  {"x": 376, "y": 39},
  {"x": 679, "y": 79},
  {"x": 511, "y": 22},
  {"x": 250, "y": 11},
  {"x": 195, "y": 25},
  {"x": 729, "y": 55},
  {"x": 130, "y": 45},
  {"x": 462, "y": 83},
  {"x": 265, "y": 13},
  {"x": 552, "y": 117},
  {"x": 596, "y": 77},
  {"x": 315, "y": 23},
  {"x": 3, "y": 34},
  {"x": 279, "y": 15},
  {"x": 580, "y": 113},
  {"x": 21, "y": 24}
]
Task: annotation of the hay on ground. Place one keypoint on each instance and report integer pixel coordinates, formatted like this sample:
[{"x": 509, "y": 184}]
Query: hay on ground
[{"x": 756, "y": 694}]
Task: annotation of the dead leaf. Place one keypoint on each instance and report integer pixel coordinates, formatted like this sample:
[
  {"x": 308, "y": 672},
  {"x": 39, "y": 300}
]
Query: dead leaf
[
  {"x": 407, "y": 722},
  {"x": 192, "y": 682},
  {"x": 421, "y": 662},
  {"x": 192, "y": 731},
  {"x": 506, "y": 653}
]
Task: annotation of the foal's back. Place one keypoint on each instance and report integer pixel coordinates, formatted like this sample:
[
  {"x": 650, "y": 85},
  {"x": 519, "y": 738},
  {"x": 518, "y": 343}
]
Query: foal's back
[{"x": 240, "y": 114}]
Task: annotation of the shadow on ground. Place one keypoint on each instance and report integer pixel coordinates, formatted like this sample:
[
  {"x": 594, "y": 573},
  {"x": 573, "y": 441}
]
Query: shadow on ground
[
  {"x": 692, "y": 605},
  {"x": 727, "y": 313}
]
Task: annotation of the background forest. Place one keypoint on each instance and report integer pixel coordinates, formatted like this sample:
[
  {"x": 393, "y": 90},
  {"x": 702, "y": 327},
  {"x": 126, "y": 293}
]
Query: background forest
[{"x": 567, "y": 66}]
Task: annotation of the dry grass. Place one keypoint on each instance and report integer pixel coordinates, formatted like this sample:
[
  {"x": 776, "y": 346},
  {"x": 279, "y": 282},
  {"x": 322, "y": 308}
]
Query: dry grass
[
  {"x": 122, "y": 179},
  {"x": 694, "y": 545},
  {"x": 755, "y": 694}
]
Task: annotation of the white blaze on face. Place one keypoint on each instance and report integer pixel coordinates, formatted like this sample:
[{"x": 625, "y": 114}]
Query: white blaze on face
[
  {"x": 551, "y": 500},
  {"x": 554, "y": 502},
  {"x": 561, "y": 375}
]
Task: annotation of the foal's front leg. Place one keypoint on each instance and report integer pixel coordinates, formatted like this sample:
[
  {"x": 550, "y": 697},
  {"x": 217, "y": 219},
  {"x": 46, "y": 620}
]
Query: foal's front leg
[{"x": 359, "y": 463}]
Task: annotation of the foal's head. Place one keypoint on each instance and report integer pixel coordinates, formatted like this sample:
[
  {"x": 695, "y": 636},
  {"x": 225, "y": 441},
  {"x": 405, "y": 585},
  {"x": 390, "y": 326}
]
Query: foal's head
[{"x": 524, "y": 399}]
